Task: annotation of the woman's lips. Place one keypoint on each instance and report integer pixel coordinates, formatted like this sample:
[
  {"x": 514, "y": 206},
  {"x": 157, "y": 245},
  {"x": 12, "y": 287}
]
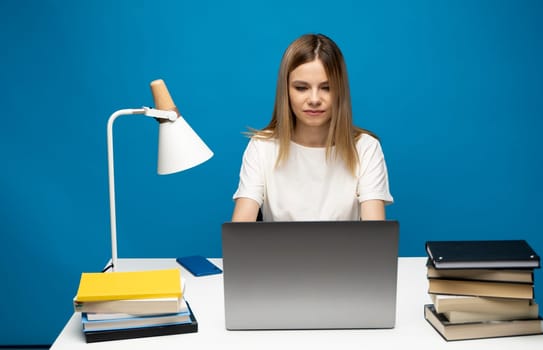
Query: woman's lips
[{"x": 313, "y": 112}]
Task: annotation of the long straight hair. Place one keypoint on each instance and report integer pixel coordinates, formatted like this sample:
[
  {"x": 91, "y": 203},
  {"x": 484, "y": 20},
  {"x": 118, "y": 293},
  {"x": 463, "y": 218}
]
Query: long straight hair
[{"x": 342, "y": 133}]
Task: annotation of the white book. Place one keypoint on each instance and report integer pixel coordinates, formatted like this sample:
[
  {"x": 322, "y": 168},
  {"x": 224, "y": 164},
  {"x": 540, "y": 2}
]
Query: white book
[
  {"x": 134, "y": 322},
  {"x": 132, "y": 306}
]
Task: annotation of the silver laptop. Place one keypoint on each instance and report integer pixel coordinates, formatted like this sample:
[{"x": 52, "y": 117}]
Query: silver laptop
[{"x": 310, "y": 275}]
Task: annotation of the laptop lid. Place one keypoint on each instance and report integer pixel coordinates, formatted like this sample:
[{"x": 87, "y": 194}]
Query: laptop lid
[{"x": 310, "y": 275}]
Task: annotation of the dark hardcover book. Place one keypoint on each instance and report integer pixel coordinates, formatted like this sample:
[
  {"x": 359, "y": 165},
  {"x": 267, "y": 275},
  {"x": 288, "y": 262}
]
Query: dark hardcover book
[
  {"x": 151, "y": 331},
  {"x": 491, "y": 254},
  {"x": 478, "y": 330}
]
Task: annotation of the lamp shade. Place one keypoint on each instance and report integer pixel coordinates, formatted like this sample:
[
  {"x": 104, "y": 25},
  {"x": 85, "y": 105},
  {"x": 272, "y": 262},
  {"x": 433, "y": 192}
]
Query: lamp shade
[{"x": 179, "y": 147}]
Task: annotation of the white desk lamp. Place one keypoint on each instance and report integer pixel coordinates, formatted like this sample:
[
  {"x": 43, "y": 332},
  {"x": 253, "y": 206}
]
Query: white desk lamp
[{"x": 179, "y": 147}]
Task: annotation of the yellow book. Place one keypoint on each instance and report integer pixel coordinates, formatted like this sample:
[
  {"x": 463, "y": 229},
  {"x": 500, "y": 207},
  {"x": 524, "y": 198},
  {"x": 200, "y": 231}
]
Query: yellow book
[{"x": 101, "y": 286}]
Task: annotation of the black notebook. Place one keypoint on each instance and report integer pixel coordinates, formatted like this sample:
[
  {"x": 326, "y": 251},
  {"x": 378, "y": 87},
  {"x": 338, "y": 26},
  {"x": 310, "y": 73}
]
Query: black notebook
[{"x": 502, "y": 254}]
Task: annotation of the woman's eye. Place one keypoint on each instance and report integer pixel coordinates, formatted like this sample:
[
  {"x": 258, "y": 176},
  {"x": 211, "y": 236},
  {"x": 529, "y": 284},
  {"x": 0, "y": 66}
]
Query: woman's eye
[
  {"x": 326, "y": 88},
  {"x": 300, "y": 88}
]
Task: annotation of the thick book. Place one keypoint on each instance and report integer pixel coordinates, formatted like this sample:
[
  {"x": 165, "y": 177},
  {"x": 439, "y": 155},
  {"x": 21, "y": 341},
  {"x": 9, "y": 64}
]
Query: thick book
[
  {"x": 482, "y": 254},
  {"x": 132, "y": 306},
  {"x": 101, "y": 286},
  {"x": 503, "y": 275},
  {"x": 478, "y": 330},
  {"x": 481, "y": 288},
  {"x": 124, "y": 322},
  {"x": 444, "y": 303},
  {"x": 471, "y": 316},
  {"x": 143, "y": 332}
]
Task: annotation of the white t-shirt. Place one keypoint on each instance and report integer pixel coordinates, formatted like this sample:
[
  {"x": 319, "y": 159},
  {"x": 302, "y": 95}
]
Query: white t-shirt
[{"x": 308, "y": 187}]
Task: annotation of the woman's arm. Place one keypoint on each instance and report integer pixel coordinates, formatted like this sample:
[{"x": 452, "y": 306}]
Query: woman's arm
[
  {"x": 246, "y": 209},
  {"x": 373, "y": 209}
]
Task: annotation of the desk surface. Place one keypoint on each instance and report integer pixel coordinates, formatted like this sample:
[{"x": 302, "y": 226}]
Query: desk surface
[{"x": 205, "y": 295}]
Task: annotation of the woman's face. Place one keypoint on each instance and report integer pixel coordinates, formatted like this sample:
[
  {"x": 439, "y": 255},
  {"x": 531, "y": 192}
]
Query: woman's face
[{"x": 309, "y": 94}]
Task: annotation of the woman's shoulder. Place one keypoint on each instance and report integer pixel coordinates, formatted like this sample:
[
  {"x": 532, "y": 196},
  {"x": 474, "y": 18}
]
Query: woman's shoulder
[
  {"x": 367, "y": 140},
  {"x": 262, "y": 139},
  {"x": 262, "y": 143}
]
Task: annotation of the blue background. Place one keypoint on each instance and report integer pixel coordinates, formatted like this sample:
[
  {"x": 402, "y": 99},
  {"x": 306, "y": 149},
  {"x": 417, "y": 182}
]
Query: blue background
[{"x": 453, "y": 88}]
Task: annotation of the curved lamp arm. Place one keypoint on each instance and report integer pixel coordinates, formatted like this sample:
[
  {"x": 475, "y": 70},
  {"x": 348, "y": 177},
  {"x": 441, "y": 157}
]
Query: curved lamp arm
[{"x": 149, "y": 112}]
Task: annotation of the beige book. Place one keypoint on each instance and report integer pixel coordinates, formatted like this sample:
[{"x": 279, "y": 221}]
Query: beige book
[
  {"x": 444, "y": 303},
  {"x": 503, "y": 275},
  {"x": 481, "y": 288},
  {"x": 469, "y": 316}
]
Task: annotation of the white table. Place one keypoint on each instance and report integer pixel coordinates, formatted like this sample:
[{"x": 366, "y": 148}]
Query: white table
[{"x": 205, "y": 295}]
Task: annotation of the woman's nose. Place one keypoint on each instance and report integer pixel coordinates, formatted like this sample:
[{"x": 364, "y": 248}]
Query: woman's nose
[{"x": 314, "y": 98}]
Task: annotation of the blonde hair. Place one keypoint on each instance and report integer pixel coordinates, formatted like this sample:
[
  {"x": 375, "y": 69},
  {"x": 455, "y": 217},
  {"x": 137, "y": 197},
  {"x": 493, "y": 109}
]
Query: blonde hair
[{"x": 342, "y": 133}]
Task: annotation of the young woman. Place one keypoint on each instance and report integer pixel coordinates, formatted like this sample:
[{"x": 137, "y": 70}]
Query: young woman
[{"x": 311, "y": 162}]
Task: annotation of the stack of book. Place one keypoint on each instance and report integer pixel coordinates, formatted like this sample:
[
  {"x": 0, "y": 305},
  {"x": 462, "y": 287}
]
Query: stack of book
[
  {"x": 482, "y": 289},
  {"x": 136, "y": 304}
]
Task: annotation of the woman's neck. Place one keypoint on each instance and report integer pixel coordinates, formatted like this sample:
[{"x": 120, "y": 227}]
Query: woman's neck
[{"x": 310, "y": 136}]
